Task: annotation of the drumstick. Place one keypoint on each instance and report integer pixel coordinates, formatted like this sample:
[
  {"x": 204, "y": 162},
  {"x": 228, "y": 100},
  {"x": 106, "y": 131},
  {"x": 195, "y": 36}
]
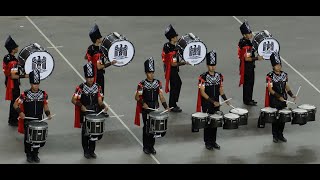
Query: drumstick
[
  {"x": 90, "y": 110},
  {"x": 153, "y": 109},
  {"x": 30, "y": 118},
  {"x": 232, "y": 106},
  {"x": 225, "y": 101},
  {"x": 100, "y": 112},
  {"x": 298, "y": 91},
  {"x": 46, "y": 118},
  {"x": 289, "y": 102},
  {"x": 166, "y": 110}
]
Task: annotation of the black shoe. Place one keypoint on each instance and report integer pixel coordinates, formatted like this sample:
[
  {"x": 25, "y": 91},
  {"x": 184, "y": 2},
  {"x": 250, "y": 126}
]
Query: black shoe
[
  {"x": 146, "y": 150},
  {"x": 275, "y": 140},
  {"x": 87, "y": 155},
  {"x": 93, "y": 155},
  {"x": 29, "y": 158},
  {"x": 36, "y": 158},
  {"x": 255, "y": 102},
  {"x": 209, "y": 146},
  {"x": 281, "y": 138},
  {"x": 176, "y": 109},
  {"x": 216, "y": 146},
  {"x": 153, "y": 151},
  {"x": 250, "y": 103}
]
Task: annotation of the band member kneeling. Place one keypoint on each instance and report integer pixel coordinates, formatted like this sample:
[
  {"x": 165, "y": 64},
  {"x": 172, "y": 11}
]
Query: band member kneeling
[
  {"x": 30, "y": 106},
  {"x": 147, "y": 94},
  {"x": 210, "y": 88},
  {"x": 88, "y": 97}
]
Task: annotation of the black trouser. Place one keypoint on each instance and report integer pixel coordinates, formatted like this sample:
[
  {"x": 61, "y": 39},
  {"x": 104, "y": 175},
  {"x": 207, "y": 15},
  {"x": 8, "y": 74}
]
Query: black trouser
[
  {"x": 277, "y": 128},
  {"x": 248, "y": 84},
  {"x": 13, "y": 114},
  {"x": 28, "y": 149},
  {"x": 88, "y": 145},
  {"x": 147, "y": 138},
  {"x": 210, "y": 134},
  {"x": 175, "y": 88},
  {"x": 100, "y": 81}
]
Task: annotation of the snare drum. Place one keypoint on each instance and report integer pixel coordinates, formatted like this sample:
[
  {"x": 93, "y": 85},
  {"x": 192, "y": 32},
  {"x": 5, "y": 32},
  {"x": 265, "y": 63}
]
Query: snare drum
[
  {"x": 199, "y": 121},
  {"x": 35, "y": 57},
  {"x": 157, "y": 123},
  {"x": 192, "y": 49},
  {"x": 265, "y": 44},
  {"x": 243, "y": 113},
  {"x": 311, "y": 111},
  {"x": 215, "y": 120},
  {"x": 268, "y": 114},
  {"x": 37, "y": 132},
  {"x": 117, "y": 47},
  {"x": 231, "y": 121},
  {"x": 95, "y": 125},
  {"x": 299, "y": 116},
  {"x": 285, "y": 115}
]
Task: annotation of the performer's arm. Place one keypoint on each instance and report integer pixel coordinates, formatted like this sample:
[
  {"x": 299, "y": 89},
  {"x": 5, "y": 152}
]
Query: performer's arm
[
  {"x": 163, "y": 100},
  {"x": 16, "y": 106},
  {"x": 140, "y": 100}
]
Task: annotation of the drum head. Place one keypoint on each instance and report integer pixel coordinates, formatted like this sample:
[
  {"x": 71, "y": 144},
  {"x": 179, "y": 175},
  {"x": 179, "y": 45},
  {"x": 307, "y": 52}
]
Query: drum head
[
  {"x": 231, "y": 116},
  {"x": 299, "y": 111},
  {"x": 269, "y": 109},
  {"x": 239, "y": 111},
  {"x": 195, "y": 52},
  {"x": 216, "y": 116},
  {"x": 37, "y": 124},
  {"x": 157, "y": 115},
  {"x": 307, "y": 106},
  {"x": 41, "y": 60},
  {"x": 199, "y": 115},
  {"x": 284, "y": 111},
  {"x": 122, "y": 51},
  {"x": 94, "y": 117}
]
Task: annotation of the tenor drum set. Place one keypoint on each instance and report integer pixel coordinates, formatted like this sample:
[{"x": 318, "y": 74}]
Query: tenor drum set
[{"x": 300, "y": 115}]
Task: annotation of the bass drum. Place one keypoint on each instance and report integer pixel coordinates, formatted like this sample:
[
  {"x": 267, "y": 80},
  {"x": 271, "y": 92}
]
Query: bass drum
[
  {"x": 35, "y": 57},
  {"x": 117, "y": 47},
  {"x": 192, "y": 49},
  {"x": 264, "y": 43}
]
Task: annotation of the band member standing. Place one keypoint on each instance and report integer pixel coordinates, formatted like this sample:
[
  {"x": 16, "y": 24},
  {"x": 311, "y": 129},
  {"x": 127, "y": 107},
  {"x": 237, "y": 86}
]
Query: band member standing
[
  {"x": 147, "y": 94},
  {"x": 13, "y": 72},
  {"x": 32, "y": 103},
  {"x": 210, "y": 88},
  {"x": 172, "y": 62},
  {"x": 276, "y": 94},
  {"x": 95, "y": 55},
  {"x": 246, "y": 54},
  {"x": 88, "y": 96}
]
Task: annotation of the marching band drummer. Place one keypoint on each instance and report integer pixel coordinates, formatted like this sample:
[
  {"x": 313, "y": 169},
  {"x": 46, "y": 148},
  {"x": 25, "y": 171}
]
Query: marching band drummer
[
  {"x": 210, "y": 88},
  {"x": 32, "y": 103},
  {"x": 95, "y": 55},
  {"x": 13, "y": 72},
  {"x": 246, "y": 54},
  {"x": 172, "y": 62},
  {"x": 276, "y": 94},
  {"x": 147, "y": 94},
  {"x": 88, "y": 96}
]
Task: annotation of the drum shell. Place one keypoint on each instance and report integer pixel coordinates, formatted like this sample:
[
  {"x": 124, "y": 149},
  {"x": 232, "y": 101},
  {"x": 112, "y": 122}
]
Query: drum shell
[
  {"x": 230, "y": 123},
  {"x": 268, "y": 117},
  {"x": 95, "y": 125},
  {"x": 299, "y": 118},
  {"x": 199, "y": 122},
  {"x": 311, "y": 114},
  {"x": 214, "y": 123},
  {"x": 107, "y": 43},
  {"x": 285, "y": 117},
  {"x": 157, "y": 123},
  {"x": 37, "y": 132}
]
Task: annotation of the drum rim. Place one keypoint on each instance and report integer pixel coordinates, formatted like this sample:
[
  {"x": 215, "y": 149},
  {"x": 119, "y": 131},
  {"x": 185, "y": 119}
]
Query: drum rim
[
  {"x": 134, "y": 51},
  {"x": 310, "y": 105},
  {"x": 274, "y": 109},
  {"x": 192, "y": 115},
  {"x": 304, "y": 111},
  {"x": 230, "y": 114}
]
